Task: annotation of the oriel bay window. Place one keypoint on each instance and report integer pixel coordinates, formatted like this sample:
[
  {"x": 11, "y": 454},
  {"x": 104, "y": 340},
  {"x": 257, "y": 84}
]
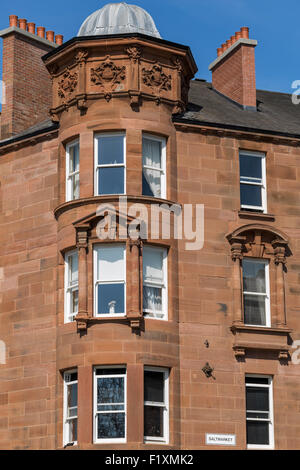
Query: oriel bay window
[
  {"x": 110, "y": 404},
  {"x": 156, "y": 404},
  {"x": 72, "y": 171},
  {"x": 70, "y": 407},
  {"x": 256, "y": 292},
  {"x": 155, "y": 302},
  {"x": 259, "y": 407},
  {"x": 110, "y": 162},
  {"x": 253, "y": 181},
  {"x": 110, "y": 280},
  {"x": 154, "y": 166},
  {"x": 71, "y": 286}
]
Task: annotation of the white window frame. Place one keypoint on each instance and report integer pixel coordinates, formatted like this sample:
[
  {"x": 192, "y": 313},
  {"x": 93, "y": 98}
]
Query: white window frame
[
  {"x": 266, "y": 295},
  {"x": 71, "y": 176},
  {"x": 164, "y": 286},
  {"x": 96, "y": 248},
  {"x": 65, "y": 408},
  {"x": 98, "y": 167},
  {"x": 69, "y": 317},
  {"x": 256, "y": 181},
  {"x": 166, "y": 406},
  {"x": 95, "y": 412},
  {"x": 271, "y": 412},
  {"x": 163, "y": 172}
]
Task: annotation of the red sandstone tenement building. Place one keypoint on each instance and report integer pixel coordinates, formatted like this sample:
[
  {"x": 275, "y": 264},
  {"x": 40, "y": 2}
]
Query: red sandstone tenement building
[{"x": 144, "y": 344}]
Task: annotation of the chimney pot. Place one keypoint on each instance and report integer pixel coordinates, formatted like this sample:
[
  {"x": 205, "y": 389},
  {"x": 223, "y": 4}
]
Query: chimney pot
[
  {"x": 31, "y": 28},
  {"x": 238, "y": 35},
  {"x": 59, "y": 39},
  {"x": 233, "y": 39},
  {"x": 219, "y": 51},
  {"x": 50, "y": 36},
  {"x": 41, "y": 31},
  {"x": 23, "y": 24},
  {"x": 13, "y": 20},
  {"x": 228, "y": 43},
  {"x": 224, "y": 47},
  {"x": 245, "y": 32}
]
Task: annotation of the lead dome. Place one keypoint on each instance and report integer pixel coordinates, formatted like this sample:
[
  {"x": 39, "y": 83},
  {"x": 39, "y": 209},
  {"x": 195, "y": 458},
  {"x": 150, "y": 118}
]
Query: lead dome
[{"x": 119, "y": 18}]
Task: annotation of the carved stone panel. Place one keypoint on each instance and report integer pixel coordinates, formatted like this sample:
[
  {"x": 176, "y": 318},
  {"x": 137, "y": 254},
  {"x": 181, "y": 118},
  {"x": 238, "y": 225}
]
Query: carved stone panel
[
  {"x": 107, "y": 76},
  {"x": 67, "y": 85},
  {"x": 156, "y": 79}
]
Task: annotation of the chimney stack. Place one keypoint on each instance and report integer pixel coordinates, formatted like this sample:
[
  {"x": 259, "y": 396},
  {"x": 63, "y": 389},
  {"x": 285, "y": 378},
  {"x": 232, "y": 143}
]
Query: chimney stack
[
  {"x": 27, "y": 82},
  {"x": 233, "y": 71}
]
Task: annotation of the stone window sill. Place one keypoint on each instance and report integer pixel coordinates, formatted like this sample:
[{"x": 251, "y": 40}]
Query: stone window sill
[
  {"x": 245, "y": 214},
  {"x": 260, "y": 338}
]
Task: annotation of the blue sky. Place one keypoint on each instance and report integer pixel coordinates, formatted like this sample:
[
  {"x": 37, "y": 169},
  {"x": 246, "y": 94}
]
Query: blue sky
[{"x": 201, "y": 24}]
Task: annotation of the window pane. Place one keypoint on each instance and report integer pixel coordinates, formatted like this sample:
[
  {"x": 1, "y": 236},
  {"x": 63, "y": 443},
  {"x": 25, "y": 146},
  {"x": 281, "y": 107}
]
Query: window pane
[
  {"x": 152, "y": 153},
  {"x": 74, "y": 301},
  {"x": 250, "y": 166},
  {"x": 254, "y": 310},
  {"x": 111, "y": 266},
  {"x": 74, "y": 158},
  {"x": 111, "y": 299},
  {"x": 75, "y": 186},
  {"x": 110, "y": 150},
  {"x": 153, "y": 265},
  {"x": 110, "y": 390},
  {"x": 256, "y": 380},
  {"x": 111, "y": 426},
  {"x": 257, "y": 399},
  {"x": 114, "y": 371},
  {"x": 72, "y": 395},
  {"x": 73, "y": 430},
  {"x": 257, "y": 432},
  {"x": 73, "y": 268},
  {"x": 254, "y": 277},
  {"x": 251, "y": 195},
  {"x": 111, "y": 180},
  {"x": 154, "y": 386},
  {"x": 153, "y": 421},
  {"x": 151, "y": 183},
  {"x": 152, "y": 298}
]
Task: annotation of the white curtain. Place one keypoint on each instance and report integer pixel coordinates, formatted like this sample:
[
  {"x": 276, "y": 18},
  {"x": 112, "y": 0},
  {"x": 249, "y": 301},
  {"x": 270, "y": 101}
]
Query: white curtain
[{"x": 152, "y": 158}]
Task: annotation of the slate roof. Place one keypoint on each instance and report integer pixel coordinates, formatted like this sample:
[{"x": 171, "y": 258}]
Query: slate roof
[
  {"x": 41, "y": 127},
  {"x": 276, "y": 114}
]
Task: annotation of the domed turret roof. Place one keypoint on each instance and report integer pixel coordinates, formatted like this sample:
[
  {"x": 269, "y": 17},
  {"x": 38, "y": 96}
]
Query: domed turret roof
[{"x": 119, "y": 18}]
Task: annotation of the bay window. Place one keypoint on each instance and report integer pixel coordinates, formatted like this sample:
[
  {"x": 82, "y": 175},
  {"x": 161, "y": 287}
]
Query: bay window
[
  {"x": 71, "y": 286},
  {"x": 155, "y": 282},
  {"x": 110, "y": 164},
  {"x": 110, "y": 404},
  {"x": 72, "y": 171},
  {"x": 253, "y": 181},
  {"x": 256, "y": 293},
  {"x": 154, "y": 166},
  {"x": 259, "y": 416},
  {"x": 70, "y": 407},
  {"x": 110, "y": 280},
  {"x": 156, "y": 404}
]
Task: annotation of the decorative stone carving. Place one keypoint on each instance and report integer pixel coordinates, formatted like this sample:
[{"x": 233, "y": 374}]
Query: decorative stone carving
[
  {"x": 81, "y": 56},
  {"x": 134, "y": 53},
  {"x": 208, "y": 370},
  {"x": 67, "y": 84},
  {"x": 156, "y": 78},
  {"x": 107, "y": 76},
  {"x": 280, "y": 248}
]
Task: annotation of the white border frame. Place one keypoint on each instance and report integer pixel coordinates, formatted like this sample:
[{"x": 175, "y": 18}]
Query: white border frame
[
  {"x": 65, "y": 397},
  {"x": 164, "y": 288},
  {"x": 67, "y": 314},
  {"x": 119, "y": 165},
  {"x": 166, "y": 424},
  {"x": 95, "y": 280},
  {"x": 266, "y": 262},
  {"x": 163, "y": 170},
  {"x": 108, "y": 441},
  {"x": 263, "y": 184},
  {"x": 270, "y": 378},
  {"x": 68, "y": 178}
]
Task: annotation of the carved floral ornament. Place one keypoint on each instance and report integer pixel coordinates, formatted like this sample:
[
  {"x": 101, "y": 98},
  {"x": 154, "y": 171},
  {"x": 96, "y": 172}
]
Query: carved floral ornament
[
  {"x": 67, "y": 84},
  {"x": 134, "y": 53},
  {"x": 107, "y": 76},
  {"x": 156, "y": 78},
  {"x": 259, "y": 241}
]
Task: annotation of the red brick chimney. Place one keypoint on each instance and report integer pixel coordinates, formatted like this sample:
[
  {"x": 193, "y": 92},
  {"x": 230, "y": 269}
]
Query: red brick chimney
[
  {"x": 233, "y": 71},
  {"x": 28, "y": 87}
]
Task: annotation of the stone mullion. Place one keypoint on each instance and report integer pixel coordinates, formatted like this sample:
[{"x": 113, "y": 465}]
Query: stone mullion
[
  {"x": 135, "y": 308},
  {"x": 236, "y": 254},
  {"x": 280, "y": 262},
  {"x": 82, "y": 246}
]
